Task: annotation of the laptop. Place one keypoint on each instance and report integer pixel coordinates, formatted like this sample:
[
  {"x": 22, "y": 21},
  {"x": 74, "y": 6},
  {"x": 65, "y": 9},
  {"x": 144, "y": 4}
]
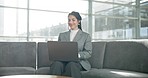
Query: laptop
[{"x": 62, "y": 51}]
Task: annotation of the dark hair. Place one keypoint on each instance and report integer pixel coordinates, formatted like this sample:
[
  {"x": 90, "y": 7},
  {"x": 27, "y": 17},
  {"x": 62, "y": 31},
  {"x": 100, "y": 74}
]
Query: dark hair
[{"x": 77, "y": 15}]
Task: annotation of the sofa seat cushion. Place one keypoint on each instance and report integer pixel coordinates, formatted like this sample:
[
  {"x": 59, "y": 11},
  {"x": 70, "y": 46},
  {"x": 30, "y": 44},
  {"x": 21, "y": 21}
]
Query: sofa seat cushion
[
  {"x": 16, "y": 70},
  {"x": 112, "y": 73},
  {"x": 43, "y": 70}
]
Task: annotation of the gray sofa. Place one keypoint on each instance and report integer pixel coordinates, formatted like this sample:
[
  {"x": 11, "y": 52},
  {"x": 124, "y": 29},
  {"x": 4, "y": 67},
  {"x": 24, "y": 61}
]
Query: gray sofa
[
  {"x": 119, "y": 59},
  {"x": 17, "y": 58},
  {"x": 110, "y": 59}
]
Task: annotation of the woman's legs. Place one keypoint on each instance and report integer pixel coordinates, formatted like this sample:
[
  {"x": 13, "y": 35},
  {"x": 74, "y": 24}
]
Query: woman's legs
[
  {"x": 57, "y": 68},
  {"x": 73, "y": 69}
]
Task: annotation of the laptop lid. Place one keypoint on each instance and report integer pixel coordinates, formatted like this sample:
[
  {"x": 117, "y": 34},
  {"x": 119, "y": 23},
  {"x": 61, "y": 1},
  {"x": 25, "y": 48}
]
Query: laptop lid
[{"x": 62, "y": 51}]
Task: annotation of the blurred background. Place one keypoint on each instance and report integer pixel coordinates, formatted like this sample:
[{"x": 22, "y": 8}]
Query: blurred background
[{"x": 43, "y": 20}]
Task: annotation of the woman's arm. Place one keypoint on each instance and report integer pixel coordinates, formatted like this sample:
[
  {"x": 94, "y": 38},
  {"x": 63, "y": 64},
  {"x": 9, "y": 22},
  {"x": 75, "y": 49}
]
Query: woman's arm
[{"x": 87, "y": 50}]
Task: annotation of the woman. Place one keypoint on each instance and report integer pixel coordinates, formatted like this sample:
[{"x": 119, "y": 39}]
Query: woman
[{"x": 83, "y": 39}]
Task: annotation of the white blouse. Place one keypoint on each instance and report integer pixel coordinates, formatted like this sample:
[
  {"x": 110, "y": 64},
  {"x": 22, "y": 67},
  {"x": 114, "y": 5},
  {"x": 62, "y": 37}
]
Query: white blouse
[{"x": 73, "y": 34}]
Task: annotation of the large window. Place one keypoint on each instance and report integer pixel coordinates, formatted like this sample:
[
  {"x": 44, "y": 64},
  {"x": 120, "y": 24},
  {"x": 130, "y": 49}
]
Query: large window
[
  {"x": 14, "y": 3},
  {"x": 15, "y": 22},
  {"x": 120, "y": 19},
  {"x": 37, "y": 20},
  {"x": 42, "y": 20},
  {"x": 60, "y": 5}
]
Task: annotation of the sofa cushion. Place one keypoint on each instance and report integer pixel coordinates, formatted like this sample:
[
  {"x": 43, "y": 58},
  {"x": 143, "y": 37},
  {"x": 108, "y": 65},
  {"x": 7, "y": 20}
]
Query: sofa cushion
[
  {"x": 42, "y": 55},
  {"x": 127, "y": 55},
  {"x": 16, "y": 70},
  {"x": 17, "y": 54},
  {"x": 17, "y": 58},
  {"x": 43, "y": 70},
  {"x": 98, "y": 50},
  {"x": 112, "y": 73}
]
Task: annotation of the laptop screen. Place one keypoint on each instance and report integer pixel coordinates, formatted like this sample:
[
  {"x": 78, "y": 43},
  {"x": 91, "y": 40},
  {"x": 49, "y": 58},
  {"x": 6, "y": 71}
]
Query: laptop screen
[{"x": 62, "y": 51}]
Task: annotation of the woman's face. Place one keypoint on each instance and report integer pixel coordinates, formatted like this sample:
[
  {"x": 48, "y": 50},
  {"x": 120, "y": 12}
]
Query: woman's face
[{"x": 73, "y": 22}]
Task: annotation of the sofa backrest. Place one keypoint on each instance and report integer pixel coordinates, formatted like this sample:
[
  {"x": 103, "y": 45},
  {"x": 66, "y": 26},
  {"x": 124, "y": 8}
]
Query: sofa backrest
[
  {"x": 18, "y": 54},
  {"x": 42, "y": 55},
  {"x": 127, "y": 55},
  {"x": 98, "y": 50},
  {"x": 96, "y": 60}
]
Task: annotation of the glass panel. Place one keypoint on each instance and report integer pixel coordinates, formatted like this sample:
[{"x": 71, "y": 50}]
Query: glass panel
[
  {"x": 144, "y": 23},
  {"x": 1, "y": 2},
  {"x": 144, "y": 10},
  {"x": 143, "y": 1},
  {"x": 113, "y": 10},
  {"x": 1, "y": 21},
  {"x": 47, "y": 25},
  {"x": 144, "y": 13},
  {"x": 60, "y": 5},
  {"x": 113, "y": 28},
  {"x": 144, "y": 32},
  {"x": 119, "y": 1},
  {"x": 14, "y": 3},
  {"x": 84, "y": 23},
  {"x": 144, "y": 17},
  {"x": 12, "y": 39},
  {"x": 144, "y": 29},
  {"x": 42, "y": 22},
  {"x": 14, "y": 22}
]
